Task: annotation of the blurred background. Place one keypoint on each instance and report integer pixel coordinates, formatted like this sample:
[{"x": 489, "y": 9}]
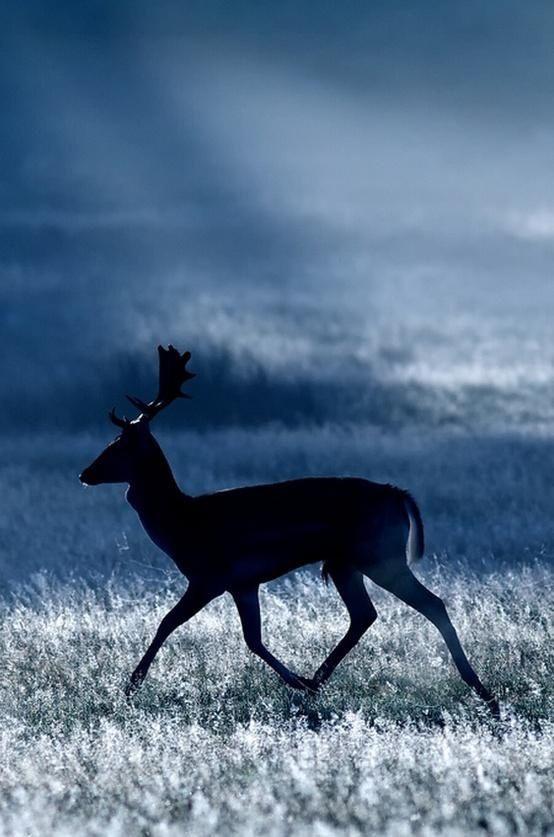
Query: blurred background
[{"x": 345, "y": 211}]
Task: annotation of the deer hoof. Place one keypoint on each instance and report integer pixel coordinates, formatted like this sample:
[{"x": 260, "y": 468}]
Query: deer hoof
[
  {"x": 493, "y": 707},
  {"x": 134, "y": 683}
]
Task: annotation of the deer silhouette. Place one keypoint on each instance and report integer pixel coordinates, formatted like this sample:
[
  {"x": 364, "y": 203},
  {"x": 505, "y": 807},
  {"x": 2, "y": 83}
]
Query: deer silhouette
[{"x": 234, "y": 540}]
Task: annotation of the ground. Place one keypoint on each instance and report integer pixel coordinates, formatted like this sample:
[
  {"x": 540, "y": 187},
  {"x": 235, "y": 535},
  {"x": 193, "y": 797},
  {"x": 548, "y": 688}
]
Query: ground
[{"x": 214, "y": 743}]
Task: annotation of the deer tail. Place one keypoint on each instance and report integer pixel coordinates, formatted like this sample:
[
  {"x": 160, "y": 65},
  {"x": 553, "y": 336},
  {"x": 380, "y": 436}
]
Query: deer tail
[{"x": 415, "y": 547}]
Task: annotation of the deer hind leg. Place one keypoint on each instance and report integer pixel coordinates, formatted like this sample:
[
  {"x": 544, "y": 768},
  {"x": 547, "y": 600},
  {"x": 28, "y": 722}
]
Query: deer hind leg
[
  {"x": 407, "y": 588},
  {"x": 351, "y": 588},
  {"x": 248, "y": 606}
]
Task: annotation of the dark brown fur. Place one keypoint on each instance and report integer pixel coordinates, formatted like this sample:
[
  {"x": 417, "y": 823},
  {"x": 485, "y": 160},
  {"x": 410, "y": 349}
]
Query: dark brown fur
[{"x": 233, "y": 541}]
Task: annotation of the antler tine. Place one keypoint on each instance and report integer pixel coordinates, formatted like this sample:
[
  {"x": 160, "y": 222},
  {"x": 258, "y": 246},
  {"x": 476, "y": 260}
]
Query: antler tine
[
  {"x": 172, "y": 375},
  {"x": 122, "y": 423}
]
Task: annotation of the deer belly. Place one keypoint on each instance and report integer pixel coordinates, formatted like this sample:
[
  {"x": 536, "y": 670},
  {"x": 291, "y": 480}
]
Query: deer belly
[{"x": 264, "y": 559}]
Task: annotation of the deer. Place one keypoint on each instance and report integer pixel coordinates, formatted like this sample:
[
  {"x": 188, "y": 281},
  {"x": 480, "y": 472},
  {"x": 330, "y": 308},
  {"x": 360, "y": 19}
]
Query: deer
[{"x": 234, "y": 540}]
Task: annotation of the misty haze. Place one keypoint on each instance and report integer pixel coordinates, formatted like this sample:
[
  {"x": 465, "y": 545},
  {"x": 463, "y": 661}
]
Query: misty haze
[{"x": 346, "y": 213}]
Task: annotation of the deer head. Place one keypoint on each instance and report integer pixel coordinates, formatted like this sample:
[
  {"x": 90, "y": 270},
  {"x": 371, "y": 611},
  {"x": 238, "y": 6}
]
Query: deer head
[{"x": 121, "y": 461}]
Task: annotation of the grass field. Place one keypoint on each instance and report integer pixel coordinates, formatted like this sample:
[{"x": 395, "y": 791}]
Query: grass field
[{"x": 214, "y": 743}]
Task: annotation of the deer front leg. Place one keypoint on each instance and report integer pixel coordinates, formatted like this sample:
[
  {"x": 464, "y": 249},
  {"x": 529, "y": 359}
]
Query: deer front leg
[
  {"x": 195, "y": 598},
  {"x": 248, "y": 606}
]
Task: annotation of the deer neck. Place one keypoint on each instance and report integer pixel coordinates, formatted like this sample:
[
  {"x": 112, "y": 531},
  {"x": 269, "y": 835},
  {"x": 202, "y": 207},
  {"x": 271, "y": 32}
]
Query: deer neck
[{"x": 154, "y": 492}]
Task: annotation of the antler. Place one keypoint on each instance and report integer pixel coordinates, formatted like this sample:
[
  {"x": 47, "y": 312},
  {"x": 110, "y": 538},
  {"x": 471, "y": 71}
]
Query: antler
[
  {"x": 173, "y": 374},
  {"x": 122, "y": 423}
]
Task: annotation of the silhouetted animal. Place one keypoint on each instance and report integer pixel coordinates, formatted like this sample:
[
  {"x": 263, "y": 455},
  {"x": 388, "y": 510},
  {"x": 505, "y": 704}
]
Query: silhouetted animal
[{"x": 233, "y": 541}]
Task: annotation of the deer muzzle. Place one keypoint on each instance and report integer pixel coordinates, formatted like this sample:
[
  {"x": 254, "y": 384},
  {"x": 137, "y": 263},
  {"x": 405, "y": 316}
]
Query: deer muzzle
[{"x": 88, "y": 478}]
